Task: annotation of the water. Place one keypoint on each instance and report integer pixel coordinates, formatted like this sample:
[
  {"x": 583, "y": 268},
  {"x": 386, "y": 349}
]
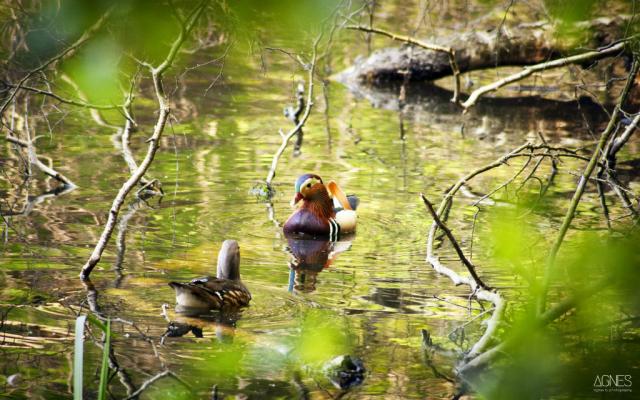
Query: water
[{"x": 371, "y": 301}]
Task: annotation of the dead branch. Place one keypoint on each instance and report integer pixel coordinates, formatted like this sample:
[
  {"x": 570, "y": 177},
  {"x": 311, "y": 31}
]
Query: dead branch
[
  {"x": 32, "y": 156},
  {"x": 449, "y": 51},
  {"x": 608, "y": 168},
  {"x": 293, "y": 115},
  {"x": 149, "y": 382},
  {"x": 303, "y": 119},
  {"x": 465, "y": 261},
  {"x": 478, "y": 291},
  {"x": 124, "y": 134},
  {"x": 528, "y": 71},
  {"x": 476, "y": 49},
  {"x": 569, "y": 303},
  {"x": 77, "y": 103},
  {"x": 33, "y": 159},
  {"x": 154, "y": 141},
  {"x": 548, "y": 317}
]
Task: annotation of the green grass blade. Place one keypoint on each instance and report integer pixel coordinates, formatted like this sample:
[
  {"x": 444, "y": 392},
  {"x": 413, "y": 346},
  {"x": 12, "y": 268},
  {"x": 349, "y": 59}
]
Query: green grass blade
[
  {"x": 95, "y": 321},
  {"x": 78, "y": 352},
  {"x": 104, "y": 371}
]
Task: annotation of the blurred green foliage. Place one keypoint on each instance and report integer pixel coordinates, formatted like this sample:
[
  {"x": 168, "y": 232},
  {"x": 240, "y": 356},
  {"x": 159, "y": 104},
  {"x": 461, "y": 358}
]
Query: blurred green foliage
[
  {"x": 322, "y": 337},
  {"x": 568, "y": 12},
  {"x": 599, "y": 270},
  {"x": 144, "y": 30}
]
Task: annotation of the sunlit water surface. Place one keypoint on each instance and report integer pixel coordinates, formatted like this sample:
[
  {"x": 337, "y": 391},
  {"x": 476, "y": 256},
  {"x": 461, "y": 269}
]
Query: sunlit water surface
[{"x": 371, "y": 302}]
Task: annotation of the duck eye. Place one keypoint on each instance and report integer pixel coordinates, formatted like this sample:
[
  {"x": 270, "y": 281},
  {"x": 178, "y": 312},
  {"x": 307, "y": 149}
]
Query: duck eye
[{"x": 308, "y": 185}]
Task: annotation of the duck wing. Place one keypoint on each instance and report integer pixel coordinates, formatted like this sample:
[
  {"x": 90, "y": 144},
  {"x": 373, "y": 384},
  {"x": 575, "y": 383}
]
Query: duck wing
[
  {"x": 353, "y": 200},
  {"x": 233, "y": 293},
  {"x": 210, "y": 292}
]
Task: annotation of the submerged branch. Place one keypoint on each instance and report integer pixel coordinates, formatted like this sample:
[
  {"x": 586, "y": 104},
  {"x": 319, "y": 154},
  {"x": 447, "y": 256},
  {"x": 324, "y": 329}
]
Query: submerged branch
[
  {"x": 479, "y": 290},
  {"x": 548, "y": 317}
]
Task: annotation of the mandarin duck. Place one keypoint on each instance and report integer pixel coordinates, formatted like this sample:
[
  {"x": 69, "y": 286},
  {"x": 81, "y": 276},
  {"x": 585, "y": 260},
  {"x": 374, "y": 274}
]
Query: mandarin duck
[
  {"x": 223, "y": 292},
  {"x": 324, "y": 210}
]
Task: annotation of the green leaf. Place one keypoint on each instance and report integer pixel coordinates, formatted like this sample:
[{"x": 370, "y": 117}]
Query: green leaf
[
  {"x": 104, "y": 371},
  {"x": 95, "y": 321}
]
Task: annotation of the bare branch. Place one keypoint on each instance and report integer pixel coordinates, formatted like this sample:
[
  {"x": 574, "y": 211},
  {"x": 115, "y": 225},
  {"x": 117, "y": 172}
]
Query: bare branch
[
  {"x": 465, "y": 261},
  {"x": 154, "y": 140},
  {"x": 528, "y": 71},
  {"x": 78, "y": 103},
  {"x": 293, "y": 115},
  {"x": 303, "y": 118},
  {"x": 549, "y": 316}
]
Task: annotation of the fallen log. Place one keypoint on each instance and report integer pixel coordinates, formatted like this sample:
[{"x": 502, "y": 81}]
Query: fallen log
[{"x": 525, "y": 44}]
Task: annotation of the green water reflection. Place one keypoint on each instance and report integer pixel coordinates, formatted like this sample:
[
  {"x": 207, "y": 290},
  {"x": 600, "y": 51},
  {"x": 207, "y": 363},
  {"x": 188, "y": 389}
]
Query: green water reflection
[{"x": 371, "y": 301}]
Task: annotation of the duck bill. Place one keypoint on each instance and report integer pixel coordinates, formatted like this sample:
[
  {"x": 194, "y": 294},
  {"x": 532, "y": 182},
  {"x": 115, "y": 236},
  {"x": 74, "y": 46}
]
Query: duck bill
[{"x": 296, "y": 199}]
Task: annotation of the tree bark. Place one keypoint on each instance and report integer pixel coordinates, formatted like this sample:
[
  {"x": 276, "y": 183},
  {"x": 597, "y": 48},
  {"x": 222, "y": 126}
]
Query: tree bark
[{"x": 525, "y": 44}]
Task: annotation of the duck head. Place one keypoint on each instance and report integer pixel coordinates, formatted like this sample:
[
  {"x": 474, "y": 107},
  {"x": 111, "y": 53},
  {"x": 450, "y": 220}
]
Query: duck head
[
  {"x": 308, "y": 187},
  {"x": 229, "y": 261}
]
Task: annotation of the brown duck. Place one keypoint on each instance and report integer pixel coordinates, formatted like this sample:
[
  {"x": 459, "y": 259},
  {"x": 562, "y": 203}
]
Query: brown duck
[{"x": 224, "y": 291}]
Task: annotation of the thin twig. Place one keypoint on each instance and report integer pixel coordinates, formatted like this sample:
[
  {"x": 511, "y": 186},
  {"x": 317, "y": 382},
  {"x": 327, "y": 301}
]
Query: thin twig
[
  {"x": 61, "y": 99},
  {"x": 148, "y": 383},
  {"x": 465, "y": 261},
  {"x": 81, "y": 40}
]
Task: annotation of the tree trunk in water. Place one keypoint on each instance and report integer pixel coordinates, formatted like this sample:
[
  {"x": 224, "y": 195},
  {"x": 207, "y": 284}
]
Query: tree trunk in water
[{"x": 525, "y": 44}]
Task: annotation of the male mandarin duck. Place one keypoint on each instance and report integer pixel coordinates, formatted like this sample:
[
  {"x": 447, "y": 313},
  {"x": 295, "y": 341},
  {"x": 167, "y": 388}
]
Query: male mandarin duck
[
  {"x": 325, "y": 211},
  {"x": 223, "y": 292}
]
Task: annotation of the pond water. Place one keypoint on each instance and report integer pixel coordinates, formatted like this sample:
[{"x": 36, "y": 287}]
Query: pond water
[{"x": 371, "y": 301}]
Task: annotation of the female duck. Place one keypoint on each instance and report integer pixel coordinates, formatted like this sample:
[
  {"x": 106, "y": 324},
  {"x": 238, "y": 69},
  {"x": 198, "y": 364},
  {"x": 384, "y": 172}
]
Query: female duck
[
  {"x": 222, "y": 292},
  {"x": 325, "y": 211}
]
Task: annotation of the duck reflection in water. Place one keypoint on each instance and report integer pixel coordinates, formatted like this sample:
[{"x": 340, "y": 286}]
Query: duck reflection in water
[
  {"x": 223, "y": 323},
  {"x": 310, "y": 257}
]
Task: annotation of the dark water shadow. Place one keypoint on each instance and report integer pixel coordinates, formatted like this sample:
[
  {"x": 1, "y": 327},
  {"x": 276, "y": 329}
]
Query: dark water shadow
[
  {"x": 492, "y": 115},
  {"x": 310, "y": 257}
]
